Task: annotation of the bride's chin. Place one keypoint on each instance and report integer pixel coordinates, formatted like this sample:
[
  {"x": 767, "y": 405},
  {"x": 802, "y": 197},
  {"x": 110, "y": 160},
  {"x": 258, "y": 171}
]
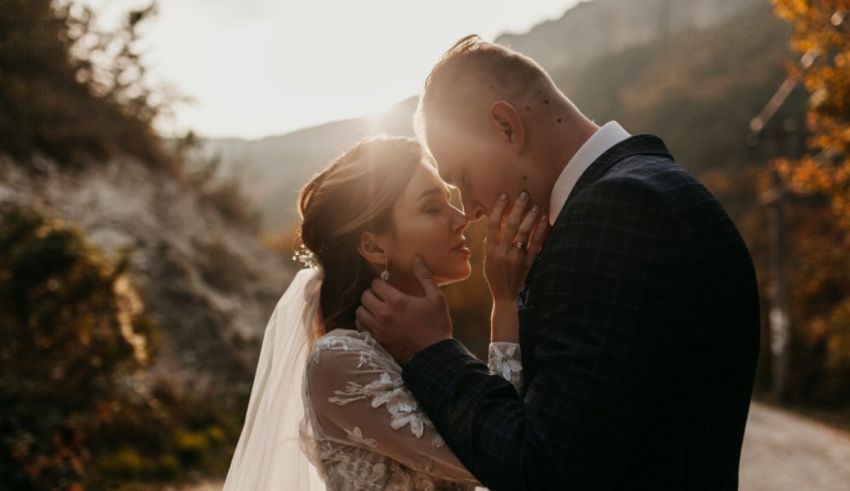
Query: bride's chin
[{"x": 454, "y": 276}]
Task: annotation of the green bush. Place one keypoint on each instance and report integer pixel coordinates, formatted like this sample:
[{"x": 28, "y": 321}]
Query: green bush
[
  {"x": 192, "y": 447},
  {"x": 74, "y": 331},
  {"x": 168, "y": 467},
  {"x": 72, "y": 326},
  {"x": 126, "y": 463}
]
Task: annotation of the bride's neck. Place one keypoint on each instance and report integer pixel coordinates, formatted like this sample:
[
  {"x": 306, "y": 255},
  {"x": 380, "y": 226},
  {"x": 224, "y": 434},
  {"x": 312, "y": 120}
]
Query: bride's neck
[{"x": 407, "y": 284}]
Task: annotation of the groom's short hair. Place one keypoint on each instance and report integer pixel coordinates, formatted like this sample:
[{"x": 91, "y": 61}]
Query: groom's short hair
[{"x": 473, "y": 65}]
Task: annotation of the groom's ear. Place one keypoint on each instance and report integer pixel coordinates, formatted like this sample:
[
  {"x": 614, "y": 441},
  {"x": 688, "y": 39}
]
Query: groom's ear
[
  {"x": 505, "y": 119},
  {"x": 371, "y": 248}
]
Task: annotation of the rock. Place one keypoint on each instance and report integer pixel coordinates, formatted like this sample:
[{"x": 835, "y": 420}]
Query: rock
[{"x": 209, "y": 284}]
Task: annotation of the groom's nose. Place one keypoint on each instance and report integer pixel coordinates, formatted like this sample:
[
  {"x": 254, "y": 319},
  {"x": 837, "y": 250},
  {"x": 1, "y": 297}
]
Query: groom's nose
[
  {"x": 462, "y": 221},
  {"x": 474, "y": 211}
]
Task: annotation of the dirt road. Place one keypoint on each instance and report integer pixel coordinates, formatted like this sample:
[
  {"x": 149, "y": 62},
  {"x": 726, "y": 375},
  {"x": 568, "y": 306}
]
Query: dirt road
[{"x": 782, "y": 452}]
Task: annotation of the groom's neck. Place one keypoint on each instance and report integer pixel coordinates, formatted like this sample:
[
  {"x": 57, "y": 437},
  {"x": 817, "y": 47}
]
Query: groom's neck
[
  {"x": 570, "y": 130},
  {"x": 564, "y": 132}
]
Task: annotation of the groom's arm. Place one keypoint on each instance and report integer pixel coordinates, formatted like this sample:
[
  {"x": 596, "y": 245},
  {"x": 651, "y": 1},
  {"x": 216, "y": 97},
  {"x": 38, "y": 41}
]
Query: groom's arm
[{"x": 609, "y": 286}]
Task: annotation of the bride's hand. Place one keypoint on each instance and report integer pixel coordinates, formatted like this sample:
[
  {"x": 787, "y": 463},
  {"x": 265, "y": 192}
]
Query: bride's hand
[{"x": 505, "y": 264}]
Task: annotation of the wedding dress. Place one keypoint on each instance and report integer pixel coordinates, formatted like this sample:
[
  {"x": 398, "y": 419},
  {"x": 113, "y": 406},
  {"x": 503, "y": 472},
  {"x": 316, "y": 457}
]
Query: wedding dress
[
  {"x": 368, "y": 430},
  {"x": 339, "y": 402}
]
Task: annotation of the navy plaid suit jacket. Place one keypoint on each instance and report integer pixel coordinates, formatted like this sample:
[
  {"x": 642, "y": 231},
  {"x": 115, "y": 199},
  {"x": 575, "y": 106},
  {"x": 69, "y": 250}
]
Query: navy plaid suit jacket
[{"x": 639, "y": 328}]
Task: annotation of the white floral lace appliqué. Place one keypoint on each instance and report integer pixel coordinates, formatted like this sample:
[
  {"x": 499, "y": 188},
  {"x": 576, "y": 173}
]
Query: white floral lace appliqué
[
  {"x": 356, "y": 435},
  {"x": 399, "y": 403},
  {"x": 358, "y": 465},
  {"x": 504, "y": 360}
]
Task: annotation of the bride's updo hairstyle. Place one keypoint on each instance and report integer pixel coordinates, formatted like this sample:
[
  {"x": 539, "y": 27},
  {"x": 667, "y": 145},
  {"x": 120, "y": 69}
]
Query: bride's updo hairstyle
[{"x": 353, "y": 194}]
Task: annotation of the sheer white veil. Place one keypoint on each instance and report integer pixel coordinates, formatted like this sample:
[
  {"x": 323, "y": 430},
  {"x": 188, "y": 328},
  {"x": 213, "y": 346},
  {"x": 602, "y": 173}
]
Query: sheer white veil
[{"x": 269, "y": 454}]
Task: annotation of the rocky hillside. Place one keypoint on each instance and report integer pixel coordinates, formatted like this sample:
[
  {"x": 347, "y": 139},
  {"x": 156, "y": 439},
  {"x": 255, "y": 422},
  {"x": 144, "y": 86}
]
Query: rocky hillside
[
  {"x": 134, "y": 291},
  {"x": 698, "y": 89},
  {"x": 210, "y": 285},
  {"x": 592, "y": 30}
]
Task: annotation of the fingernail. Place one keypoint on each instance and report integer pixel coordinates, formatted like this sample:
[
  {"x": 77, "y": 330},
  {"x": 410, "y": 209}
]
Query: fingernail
[
  {"x": 523, "y": 196},
  {"x": 535, "y": 208},
  {"x": 503, "y": 197}
]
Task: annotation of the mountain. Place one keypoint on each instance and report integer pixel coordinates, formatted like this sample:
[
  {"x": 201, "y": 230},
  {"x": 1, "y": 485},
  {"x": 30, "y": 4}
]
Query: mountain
[
  {"x": 273, "y": 169},
  {"x": 697, "y": 81},
  {"x": 698, "y": 89},
  {"x": 592, "y": 30}
]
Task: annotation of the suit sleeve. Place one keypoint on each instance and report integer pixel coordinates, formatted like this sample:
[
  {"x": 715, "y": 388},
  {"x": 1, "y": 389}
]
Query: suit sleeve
[{"x": 609, "y": 294}]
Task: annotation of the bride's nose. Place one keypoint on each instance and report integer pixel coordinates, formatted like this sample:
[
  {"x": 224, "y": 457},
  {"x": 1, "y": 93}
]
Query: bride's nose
[{"x": 461, "y": 221}]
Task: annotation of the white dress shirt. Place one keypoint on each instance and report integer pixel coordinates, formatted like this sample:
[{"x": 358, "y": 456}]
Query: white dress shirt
[{"x": 605, "y": 137}]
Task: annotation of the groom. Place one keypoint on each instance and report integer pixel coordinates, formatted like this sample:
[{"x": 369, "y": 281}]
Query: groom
[{"x": 639, "y": 321}]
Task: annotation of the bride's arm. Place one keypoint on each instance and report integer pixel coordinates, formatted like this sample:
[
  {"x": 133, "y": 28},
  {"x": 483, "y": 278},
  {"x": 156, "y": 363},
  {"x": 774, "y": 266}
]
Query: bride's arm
[
  {"x": 361, "y": 400},
  {"x": 506, "y": 268},
  {"x": 504, "y": 357}
]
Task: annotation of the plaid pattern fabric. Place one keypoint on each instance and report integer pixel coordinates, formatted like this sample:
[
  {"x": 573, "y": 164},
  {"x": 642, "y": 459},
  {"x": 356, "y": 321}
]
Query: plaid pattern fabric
[{"x": 639, "y": 326}]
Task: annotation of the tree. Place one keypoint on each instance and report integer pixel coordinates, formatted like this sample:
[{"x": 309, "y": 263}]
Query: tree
[
  {"x": 822, "y": 36},
  {"x": 820, "y": 276},
  {"x": 71, "y": 91}
]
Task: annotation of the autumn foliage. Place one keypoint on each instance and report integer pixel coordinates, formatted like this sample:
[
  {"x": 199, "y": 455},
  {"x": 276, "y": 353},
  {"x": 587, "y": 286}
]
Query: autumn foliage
[
  {"x": 822, "y": 37},
  {"x": 820, "y": 217}
]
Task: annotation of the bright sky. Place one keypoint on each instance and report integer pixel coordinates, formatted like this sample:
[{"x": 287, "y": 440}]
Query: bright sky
[{"x": 268, "y": 67}]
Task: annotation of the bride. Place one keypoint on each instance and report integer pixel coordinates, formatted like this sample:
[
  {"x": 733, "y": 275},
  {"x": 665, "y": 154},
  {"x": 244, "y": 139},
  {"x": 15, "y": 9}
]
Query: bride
[{"x": 328, "y": 408}]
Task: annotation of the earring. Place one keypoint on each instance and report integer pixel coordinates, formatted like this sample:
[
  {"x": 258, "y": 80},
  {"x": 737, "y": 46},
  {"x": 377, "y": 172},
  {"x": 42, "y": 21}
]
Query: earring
[{"x": 385, "y": 274}]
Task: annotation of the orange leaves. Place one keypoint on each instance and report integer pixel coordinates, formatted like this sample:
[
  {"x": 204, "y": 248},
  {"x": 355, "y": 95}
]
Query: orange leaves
[
  {"x": 823, "y": 27},
  {"x": 805, "y": 176}
]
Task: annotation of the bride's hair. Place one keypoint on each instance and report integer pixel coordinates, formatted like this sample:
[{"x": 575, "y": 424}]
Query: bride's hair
[{"x": 353, "y": 194}]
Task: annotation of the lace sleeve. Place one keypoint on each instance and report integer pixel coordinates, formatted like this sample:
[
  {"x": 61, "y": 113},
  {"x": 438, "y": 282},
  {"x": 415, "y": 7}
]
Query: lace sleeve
[
  {"x": 358, "y": 397},
  {"x": 504, "y": 360}
]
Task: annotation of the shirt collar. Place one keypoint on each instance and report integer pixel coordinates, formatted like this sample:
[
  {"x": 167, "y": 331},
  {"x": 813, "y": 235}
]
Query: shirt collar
[{"x": 600, "y": 142}]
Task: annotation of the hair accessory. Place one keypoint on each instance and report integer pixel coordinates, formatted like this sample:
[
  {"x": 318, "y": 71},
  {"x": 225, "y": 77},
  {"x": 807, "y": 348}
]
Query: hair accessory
[{"x": 306, "y": 257}]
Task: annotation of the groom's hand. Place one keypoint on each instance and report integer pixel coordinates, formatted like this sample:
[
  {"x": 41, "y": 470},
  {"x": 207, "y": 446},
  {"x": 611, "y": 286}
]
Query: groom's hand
[{"x": 404, "y": 324}]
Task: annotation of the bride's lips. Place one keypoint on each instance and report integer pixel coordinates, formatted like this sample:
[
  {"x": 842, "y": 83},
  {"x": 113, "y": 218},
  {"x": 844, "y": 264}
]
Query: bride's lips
[{"x": 461, "y": 248}]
